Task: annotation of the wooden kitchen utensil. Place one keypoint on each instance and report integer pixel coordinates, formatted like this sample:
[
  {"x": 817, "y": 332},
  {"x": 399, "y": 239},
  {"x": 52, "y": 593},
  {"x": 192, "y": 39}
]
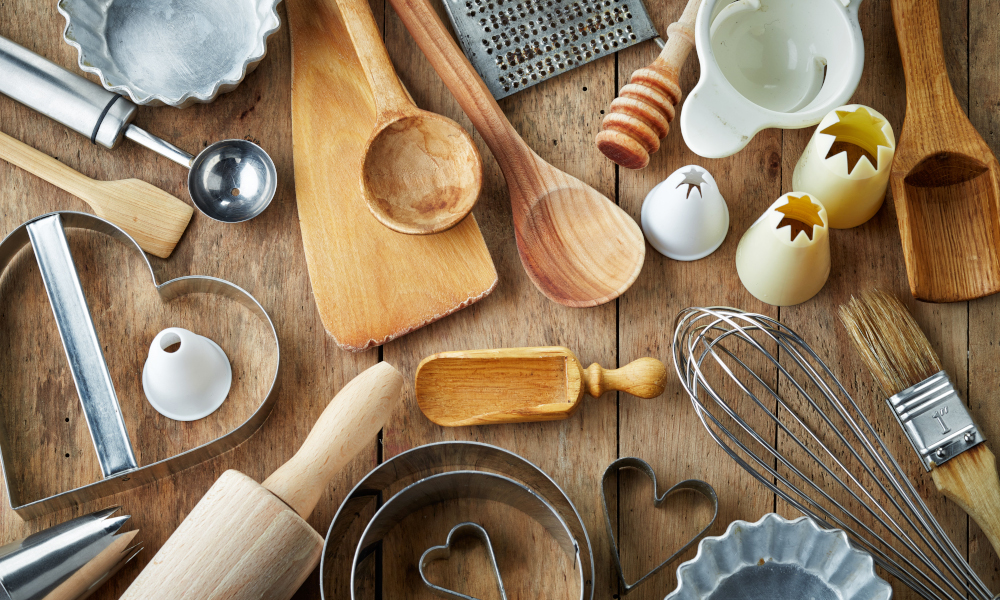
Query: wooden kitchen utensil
[
  {"x": 944, "y": 177},
  {"x": 578, "y": 247},
  {"x": 371, "y": 284},
  {"x": 154, "y": 218},
  {"x": 246, "y": 540},
  {"x": 522, "y": 385},
  {"x": 421, "y": 172},
  {"x": 641, "y": 114}
]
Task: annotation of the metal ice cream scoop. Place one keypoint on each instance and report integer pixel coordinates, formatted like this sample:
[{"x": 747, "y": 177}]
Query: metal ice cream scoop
[{"x": 229, "y": 181}]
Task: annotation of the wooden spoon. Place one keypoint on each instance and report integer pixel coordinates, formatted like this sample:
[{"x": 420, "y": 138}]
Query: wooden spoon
[
  {"x": 154, "y": 218},
  {"x": 421, "y": 173},
  {"x": 577, "y": 246},
  {"x": 944, "y": 177},
  {"x": 521, "y": 385}
]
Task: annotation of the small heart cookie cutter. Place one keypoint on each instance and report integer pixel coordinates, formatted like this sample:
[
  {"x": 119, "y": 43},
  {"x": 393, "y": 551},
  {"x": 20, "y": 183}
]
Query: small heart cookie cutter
[
  {"x": 689, "y": 485},
  {"x": 90, "y": 372},
  {"x": 434, "y": 553}
]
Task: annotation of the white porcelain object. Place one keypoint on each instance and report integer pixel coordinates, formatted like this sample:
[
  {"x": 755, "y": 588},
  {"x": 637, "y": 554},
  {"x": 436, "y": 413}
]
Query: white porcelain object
[
  {"x": 189, "y": 382},
  {"x": 174, "y": 52},
  {"x": 769, "y": 63},
  {"x": 852, "y": 194},
  {"x": 776, "y": 558},
  {"x": 784, "y": 258},
  {"x": 685, "y": 217}
]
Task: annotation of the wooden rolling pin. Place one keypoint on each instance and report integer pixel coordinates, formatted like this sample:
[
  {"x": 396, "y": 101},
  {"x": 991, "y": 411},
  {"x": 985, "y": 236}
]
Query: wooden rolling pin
[
  {"x": 520, "y": 385},
  {"x": 247, "y": 541},
  {"x": 641, "y": 114}
]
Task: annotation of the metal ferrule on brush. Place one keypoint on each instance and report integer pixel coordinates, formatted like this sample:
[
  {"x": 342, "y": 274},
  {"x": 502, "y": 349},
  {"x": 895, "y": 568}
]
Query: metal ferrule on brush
[{"x": 935, "y": 420}]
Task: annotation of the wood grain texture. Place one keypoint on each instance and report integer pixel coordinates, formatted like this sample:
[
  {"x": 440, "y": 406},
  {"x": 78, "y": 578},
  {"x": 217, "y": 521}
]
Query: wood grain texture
[
  {"x": 970, "y": 480},
  {"x": 641, "y": 114},
  {"x": 578, "y": 248},
  {"x": 945, "y": 178},
  {"x": 522, "y": 385},
  {"x": 371, "y": 284},
  {"x": 154, "y": 218}
]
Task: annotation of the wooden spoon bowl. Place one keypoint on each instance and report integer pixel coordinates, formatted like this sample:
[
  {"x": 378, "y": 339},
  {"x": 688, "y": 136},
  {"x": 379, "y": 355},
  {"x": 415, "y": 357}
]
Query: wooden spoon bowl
[{"x": 421, "y": 173}]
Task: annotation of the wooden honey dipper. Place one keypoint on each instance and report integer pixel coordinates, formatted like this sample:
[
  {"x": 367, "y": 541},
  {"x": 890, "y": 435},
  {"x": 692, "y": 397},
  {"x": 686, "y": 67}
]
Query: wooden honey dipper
[{"x": 641, "y": 114}]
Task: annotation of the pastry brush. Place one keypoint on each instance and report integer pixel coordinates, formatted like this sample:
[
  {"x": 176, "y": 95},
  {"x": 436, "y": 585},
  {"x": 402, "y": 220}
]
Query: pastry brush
[{"x": 927, "y": 406}]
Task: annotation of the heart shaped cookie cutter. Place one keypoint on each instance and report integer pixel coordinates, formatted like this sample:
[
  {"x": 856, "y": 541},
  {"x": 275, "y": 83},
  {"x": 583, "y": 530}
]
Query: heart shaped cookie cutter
[
  {"x": 443, "y": 552},
  {"x": 90, "y": 372},
  {"x": 689, "y": 485}
]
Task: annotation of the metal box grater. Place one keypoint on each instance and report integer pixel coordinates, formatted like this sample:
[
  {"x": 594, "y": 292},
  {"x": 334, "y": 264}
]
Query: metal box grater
[{"x": 514, "y": 44}]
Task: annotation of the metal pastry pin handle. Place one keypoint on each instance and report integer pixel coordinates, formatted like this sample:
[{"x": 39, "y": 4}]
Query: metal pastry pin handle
[{"x": 83, "y": 349}]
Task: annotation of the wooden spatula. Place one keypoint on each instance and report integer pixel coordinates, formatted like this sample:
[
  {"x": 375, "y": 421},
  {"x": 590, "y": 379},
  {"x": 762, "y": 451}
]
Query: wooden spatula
[
  {"x": 578, "y": 247},
  {"x": 522, "y": 385},
  {"x": 154, "y": 218},
  {"x": 944, "y": 178},
  {"x": 248, "y": 541}
]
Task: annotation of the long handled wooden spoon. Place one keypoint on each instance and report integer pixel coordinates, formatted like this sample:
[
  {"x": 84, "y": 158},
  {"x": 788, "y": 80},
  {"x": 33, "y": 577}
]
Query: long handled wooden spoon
[
  {"x": 422, "y": 173},
  {"x": 519, "y": 385},
  {"x": 154, "y": 218},
  {"x": 944, "y": 177},
  {"x": 577, "y": 246}
]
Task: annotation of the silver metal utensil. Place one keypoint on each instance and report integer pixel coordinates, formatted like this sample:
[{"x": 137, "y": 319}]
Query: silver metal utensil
[
  {"x": 67, "y": 561},
  {"x": 230, "y": 181},
  {"x": 766, "y": 397}
]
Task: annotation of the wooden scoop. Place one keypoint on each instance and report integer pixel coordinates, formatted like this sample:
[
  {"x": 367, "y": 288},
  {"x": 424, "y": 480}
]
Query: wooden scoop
[
  {"x": 421, "y": 173},
  {"x": 522, "y": 385},
  {"x": 577, "y": 246},
  {"x": 944, "y": 178},
  {"x": 248, "y": 541},
  {"x": 154, "y": 218}
]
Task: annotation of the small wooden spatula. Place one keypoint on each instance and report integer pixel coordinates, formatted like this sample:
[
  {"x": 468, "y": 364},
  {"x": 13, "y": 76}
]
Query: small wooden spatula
[
  {"x": 154, "y": 218},
  {"x": 522, "y": 385}
]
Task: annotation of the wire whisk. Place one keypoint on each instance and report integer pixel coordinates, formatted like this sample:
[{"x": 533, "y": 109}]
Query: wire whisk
[{"x": 772, "y": 404}]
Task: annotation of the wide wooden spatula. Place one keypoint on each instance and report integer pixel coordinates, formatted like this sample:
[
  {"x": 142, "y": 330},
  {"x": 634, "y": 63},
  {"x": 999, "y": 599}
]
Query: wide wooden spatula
[
  {"x": 944, "y": 177},
  {"x": 519, "y": 385},
  {"x": 248, "y": 541}
]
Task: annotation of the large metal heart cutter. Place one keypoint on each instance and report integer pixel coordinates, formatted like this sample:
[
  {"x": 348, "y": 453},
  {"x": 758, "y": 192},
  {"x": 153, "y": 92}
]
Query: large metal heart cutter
[{"x": 90, "y": 370}]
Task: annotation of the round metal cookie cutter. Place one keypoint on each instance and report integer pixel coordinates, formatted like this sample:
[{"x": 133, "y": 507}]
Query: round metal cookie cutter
[{"x": 476, "y": 470}]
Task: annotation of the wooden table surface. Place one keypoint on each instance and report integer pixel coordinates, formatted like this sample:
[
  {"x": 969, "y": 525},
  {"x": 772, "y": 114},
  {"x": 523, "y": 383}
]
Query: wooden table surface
[{"x": 50, "y": 450}]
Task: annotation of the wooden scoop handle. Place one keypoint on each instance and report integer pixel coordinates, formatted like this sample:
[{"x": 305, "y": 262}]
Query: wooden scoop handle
[
  {"x": 645, "y": 378},
  {"x": 347, "y": 425},
  {"x": 641, "y": 114},
  {"x": 970, "y": 480}
]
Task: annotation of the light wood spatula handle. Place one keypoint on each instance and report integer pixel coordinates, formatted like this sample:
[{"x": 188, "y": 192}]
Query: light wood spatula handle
[
  {"x": 42, "y": 165},
  {"x": 465, "y": 84},
  {"x": 645, "y": 378},
  {"x": 347, "y": 425},
  {"x": 970, "y": 480}
]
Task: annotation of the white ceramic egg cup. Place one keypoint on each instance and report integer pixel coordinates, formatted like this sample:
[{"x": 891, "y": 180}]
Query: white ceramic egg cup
[
  {"x": 769, "y": 63},
  {"x": 685, "y": 216},
  {"x": 851, "y": 195},
  {"x": 784, "y": 258}
]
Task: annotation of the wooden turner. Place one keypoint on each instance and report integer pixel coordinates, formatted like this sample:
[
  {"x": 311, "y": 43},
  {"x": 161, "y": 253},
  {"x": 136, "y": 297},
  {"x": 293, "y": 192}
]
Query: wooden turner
[
  {"x": 578, "y": 247},
  {"x": 154, "y": 218},
  {"x": 522, "y": 385},
  {"x": 944, "y": 177}
]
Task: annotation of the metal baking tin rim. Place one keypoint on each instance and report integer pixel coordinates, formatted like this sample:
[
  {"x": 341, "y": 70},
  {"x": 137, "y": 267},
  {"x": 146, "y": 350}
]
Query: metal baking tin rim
[
  {"x": 12, "y": 244},
  {"x": 474, "y": 455},
  {"x": 465, "y": 484},
  {"x": 220, "y": 87}
]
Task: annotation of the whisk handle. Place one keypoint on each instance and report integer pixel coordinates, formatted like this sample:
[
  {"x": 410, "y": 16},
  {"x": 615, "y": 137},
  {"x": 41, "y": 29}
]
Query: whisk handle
[
  {"x": 645, "y": 378},
  {"x": 970, "y": 480}
]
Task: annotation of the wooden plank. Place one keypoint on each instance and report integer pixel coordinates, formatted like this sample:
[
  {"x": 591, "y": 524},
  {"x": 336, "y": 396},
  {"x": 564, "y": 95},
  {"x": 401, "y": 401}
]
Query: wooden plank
[
  {"x": 557, "y": 119},
  {"x": 264, "y": 256}
]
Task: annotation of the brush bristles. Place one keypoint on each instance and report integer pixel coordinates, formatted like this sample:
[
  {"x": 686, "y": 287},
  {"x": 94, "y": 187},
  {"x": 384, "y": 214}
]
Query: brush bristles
[{"x": 889, "y": 340}]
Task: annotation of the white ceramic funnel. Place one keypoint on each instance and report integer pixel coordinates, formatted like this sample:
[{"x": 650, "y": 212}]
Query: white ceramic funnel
[
  {"x": 852, "y": 194},
  {"x": 685, "y": 217},
  {"x": 188, "y": 382},
  {"x": 784, "y": 258},
  {"x": 769, "y": 63}
]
